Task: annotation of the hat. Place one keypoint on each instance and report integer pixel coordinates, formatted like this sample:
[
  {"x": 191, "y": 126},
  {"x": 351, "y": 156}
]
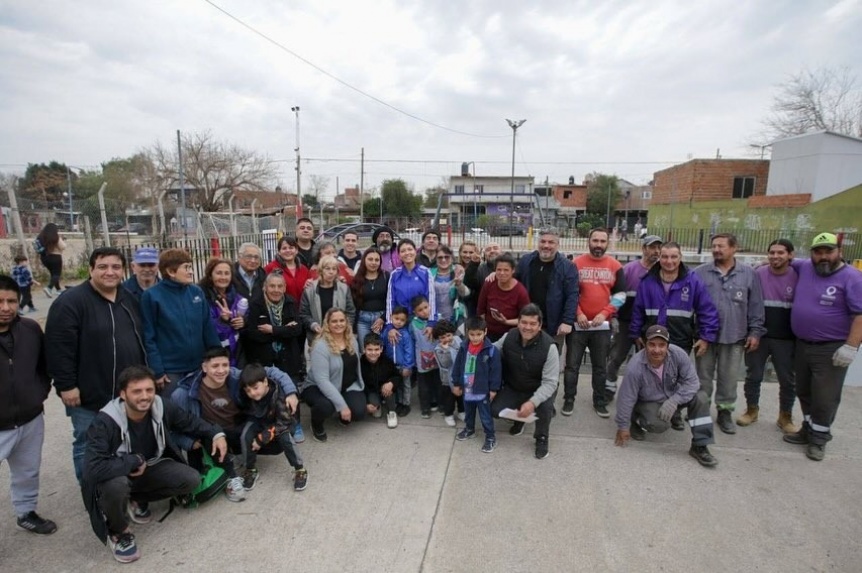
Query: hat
[
  {"x": 379, "y": 230},
  {"x": 650, "y": 239},
  {"x": 825, "y": 240},
  {"x": 657, "y": 331},
  {"x": 146, "y": 255}
]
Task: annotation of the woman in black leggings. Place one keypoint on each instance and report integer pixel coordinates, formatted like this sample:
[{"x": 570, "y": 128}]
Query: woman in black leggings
[{"x": 52, "y": 256}]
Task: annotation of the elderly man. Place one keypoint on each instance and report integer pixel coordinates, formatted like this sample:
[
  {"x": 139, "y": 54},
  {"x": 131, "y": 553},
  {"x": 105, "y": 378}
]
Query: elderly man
[
  {"x": 382, "y": 238},
  {"x": 248, "y": 276},
  {"x": 827, "y": 320},
  {"x": 145, "y": 271},
  {"x": 531, "y": 373},
  {"x": 659, "y": 379},
  {"x": 736, "y": 292}
]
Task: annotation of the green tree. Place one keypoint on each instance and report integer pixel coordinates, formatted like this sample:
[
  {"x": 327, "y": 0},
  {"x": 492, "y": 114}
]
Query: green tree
[
  {"x": 46, "y": 182},
  {"x": 309, "y": 201},
  {"x": 432, "y": 197},
  {"x": 399, "y": 200},
  {"x": 603, "y": 193}
]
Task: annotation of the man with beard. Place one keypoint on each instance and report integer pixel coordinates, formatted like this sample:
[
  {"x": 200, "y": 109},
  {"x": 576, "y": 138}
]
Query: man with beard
[
  {"x": 827, "y": 320},
  {"x": 305, "y": 240},
  {"x": 735, "y": 290},
  {"x": 602, "y": 290},
  {"x": 427, "y": 255},
  {"x": 778, "y": 281},
  {"x": 389, "y": 259},
  {"x": 634, "y": 272},
  {"x": 475, "y": 274}
]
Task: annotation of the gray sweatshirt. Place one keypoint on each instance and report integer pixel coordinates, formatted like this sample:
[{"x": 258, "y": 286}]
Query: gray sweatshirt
[{"x": 739, "y": 300}]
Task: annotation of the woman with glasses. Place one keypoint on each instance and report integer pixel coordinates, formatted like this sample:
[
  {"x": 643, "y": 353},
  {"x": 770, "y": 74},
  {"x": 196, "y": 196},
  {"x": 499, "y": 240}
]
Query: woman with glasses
[{"x": 449, "y": 287}]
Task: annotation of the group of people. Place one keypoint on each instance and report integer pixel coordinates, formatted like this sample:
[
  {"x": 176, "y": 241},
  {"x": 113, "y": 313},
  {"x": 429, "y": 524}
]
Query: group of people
[{"x": 158, "y": 373}]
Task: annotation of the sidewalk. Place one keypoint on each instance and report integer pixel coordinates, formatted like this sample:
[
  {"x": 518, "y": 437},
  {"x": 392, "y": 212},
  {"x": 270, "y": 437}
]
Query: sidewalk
[{"x": 414, "y": 499}]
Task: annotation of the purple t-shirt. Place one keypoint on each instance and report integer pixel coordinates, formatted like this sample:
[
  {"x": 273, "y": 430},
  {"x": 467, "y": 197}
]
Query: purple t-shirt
[
  {"x": 824, "y": 307},
  {"x": 778, "y": 293}
]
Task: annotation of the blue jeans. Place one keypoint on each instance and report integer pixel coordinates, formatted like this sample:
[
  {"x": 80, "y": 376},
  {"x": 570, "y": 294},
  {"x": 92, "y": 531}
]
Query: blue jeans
[
  {"x": 364, "y": 321},
  {"x": 484, "y": 408},
  {"x": 81, "y": 419}
]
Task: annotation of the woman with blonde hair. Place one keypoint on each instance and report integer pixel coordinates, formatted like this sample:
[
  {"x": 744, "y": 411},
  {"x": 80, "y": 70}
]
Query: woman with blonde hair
[
  {"x": 334, "y": 381},
  {"x": 322, "y": 294}
]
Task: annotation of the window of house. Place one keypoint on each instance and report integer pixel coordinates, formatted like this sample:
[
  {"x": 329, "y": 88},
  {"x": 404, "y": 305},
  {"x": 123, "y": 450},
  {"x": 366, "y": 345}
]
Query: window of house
[
  {"x": 479, "y": 188},
  {"x": 459, "y": 189},
  {"x": 743, "y": 187},
  {"x": 646, "y": 195},
  {"x": 567, "y": 194}
]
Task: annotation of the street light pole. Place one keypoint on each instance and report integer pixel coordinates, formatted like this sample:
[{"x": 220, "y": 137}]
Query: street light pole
[
  {"x": 71, "y": 213},
  {"x": 514, "y": 124},
  {"x": 295, "y": 110}
]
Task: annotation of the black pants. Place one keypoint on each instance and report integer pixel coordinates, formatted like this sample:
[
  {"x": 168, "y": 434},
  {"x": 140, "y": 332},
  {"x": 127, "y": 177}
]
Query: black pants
[
  {"x": 378, "y": 400},
  {"x": 429, "y": 388},
  {"x": 54, "y": 264},
  {"x": 577, "y": 342},
  {"x": 283, "y": 443},
  {"x": 27, "y": 297},
  {"x": 234, "y": 446},
  {"x": 508, "y": 398},
  {"x": 619, "y": 351},
  {"x": 322, "y": 409},
  {"x": 449, "y": 401},
  {"x": 166, "y": 479},
  {"x": 818, "y": 384}
]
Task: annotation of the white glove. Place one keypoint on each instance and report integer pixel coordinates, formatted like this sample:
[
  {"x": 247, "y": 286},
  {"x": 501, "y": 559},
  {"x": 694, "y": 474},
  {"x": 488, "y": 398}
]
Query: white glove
[{"x": 844, "y": 356}]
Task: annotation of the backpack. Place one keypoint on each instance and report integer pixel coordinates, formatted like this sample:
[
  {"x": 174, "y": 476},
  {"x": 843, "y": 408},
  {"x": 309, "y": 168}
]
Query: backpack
[
  {"x": 38, "y": 246},
  {"x": 213, "y": 480}
]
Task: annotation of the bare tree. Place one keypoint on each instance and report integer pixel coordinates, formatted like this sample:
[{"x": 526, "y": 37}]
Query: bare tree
[
  {"x": 823, "y": 99},
  {"x": 317, "y": 186},
  {"x": 212, "y": 169}
]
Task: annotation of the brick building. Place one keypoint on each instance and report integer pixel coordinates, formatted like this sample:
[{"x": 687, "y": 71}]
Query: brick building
[{"x": 710, "y": 180}]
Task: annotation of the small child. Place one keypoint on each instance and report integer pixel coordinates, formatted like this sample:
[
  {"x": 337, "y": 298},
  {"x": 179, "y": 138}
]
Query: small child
[
  {"x": 381, "y": 379},
  {"x": 270, "y": 417},
  {"x": 448, "y": 344},
  {"x": 427, "y": 371},
  {"x": 477, "y": 375},
  {"x": 22, "y": 275},
  {"x": 401, "y": 354}
]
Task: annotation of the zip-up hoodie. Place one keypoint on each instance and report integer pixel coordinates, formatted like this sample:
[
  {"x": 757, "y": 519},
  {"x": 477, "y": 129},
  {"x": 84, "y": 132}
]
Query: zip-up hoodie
[{"x": 489, "y": 368}]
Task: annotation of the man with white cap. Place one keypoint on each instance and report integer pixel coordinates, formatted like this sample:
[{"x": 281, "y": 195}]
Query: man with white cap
[
  {"x": 145, "y": 271},
  {"x": 659, "y": 379},
  {"x": 827, "y": 321}
]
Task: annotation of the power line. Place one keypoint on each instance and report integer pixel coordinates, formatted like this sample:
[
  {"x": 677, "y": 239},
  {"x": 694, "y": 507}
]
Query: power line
[{"x": 281, "y": 46}]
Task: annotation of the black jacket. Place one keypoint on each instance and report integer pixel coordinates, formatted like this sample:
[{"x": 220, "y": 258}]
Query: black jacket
[
  {"x": 259, "y": 346},
  {"x": 24, "y": 382},
  {"x": 377, "y": 374},
  {"x": 90, "y": 340},
  {"x": 242, "y": 288}
]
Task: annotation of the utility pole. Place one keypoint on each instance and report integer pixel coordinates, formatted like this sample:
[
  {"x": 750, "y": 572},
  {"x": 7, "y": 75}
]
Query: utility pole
[
  {"x": 514, "y": 124},
  {"x": 362, "y": 187},
  {"x": 71, "y": 213},
  {"x": 182, "y": 187},
  {"x": 295, "y": 110}
]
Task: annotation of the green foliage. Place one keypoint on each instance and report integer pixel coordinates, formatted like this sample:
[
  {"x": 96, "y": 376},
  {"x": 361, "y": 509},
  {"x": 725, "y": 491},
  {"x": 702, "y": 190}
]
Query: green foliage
[
  {"x": 371, "y": 208},
  {"x": 46, "y": 182},
  {"x": 589, "y": 221},
  {"x": 598, "y": 189},
  {"x": 309, "y": 201},
  {"x": 398, "y": 199},
  {"x": 432, "y": 197}
]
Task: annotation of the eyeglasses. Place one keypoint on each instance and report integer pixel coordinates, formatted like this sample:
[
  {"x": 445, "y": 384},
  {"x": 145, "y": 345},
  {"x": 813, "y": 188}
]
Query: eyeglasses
[
  {"x": 251, "y": 257},
  {"x": 444, "y": 258}
]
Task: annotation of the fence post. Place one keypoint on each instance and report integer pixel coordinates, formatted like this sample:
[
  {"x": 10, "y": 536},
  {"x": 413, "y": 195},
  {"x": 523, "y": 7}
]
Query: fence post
[{"x": 700, "y": 242}]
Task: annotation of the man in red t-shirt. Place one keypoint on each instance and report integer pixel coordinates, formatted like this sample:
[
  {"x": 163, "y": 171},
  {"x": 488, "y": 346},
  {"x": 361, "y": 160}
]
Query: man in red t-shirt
[{"x": 602, "y": 290}]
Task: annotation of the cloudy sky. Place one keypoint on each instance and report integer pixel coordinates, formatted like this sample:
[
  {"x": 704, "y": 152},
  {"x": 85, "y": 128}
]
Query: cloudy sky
[{"x": 624, "y": 87}]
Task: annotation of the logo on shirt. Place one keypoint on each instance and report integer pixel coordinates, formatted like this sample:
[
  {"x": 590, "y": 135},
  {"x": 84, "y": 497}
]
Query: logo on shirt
[
  {"x": 738, "y": 295},
  {"x": 828, "y": 297},
  {"x": 220, "y": 403},
  {"x": 684, "y": 295}
]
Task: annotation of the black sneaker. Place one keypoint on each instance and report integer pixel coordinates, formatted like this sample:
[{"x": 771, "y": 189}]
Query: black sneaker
[
  {"x": 402, "y": 410},
  {"x": 541, "y": 448},
  {"x": 517, "y": 429},
  {"x": 318, "y": 434},
  {"x": 489, "y": 445},
  {"x": 676, "y": 421},
  {"x": 702, "y": 455},
  {"x": 568, "y": 407},
  {"x": 602, "y": 411},
  {"x": 123, "y": 547},
  {"x": 249, "y": 479},
  {"x": 799, "y": 438},
  {"x": 465, "y": 434},
  {"x": 426, "y": 414},
  {"x": 139, "y": 512},
  {"x": 725, "y": 422},
  {"x": 637, "y": 433},
  {"x": 34, "y": 523},
  {"x": 300, "y": 479},
  {"x": 816, "y": 452}
]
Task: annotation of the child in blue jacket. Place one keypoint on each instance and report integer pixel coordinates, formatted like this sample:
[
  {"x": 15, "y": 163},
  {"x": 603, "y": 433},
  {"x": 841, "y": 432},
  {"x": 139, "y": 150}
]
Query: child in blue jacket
[
  {"x": 477, "y": 375},
  {"x": 401, "y": 353}
]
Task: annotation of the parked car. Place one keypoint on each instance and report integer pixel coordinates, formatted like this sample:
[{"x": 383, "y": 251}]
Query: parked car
[
  {"x": 507, "y": 231},
  {"x": 112, "y": 227},
  {"x": 137, "y": 228}
]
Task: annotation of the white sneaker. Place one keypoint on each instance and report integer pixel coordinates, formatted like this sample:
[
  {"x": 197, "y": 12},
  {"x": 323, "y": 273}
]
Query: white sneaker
[
  {"x": 47, "y": 292},
  {"x": 391, "y": 420},
  {"x": 462, "y": 416},
  {"x": 450, "y": 421},
  {"x": 235, "y": 490}
]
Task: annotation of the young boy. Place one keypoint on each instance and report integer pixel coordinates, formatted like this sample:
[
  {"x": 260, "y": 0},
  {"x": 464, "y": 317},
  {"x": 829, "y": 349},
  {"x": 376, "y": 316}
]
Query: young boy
[
  {"x": 427, "y": 371},
  {"x": 401, "y": 354},
  {"x": 270, "y": 417},
  {"x": 448, "y": 344},
  {"x": 477, "y": 375},
  {"x": 381, "y": 379},
  {"x": 22, "y": 275}
]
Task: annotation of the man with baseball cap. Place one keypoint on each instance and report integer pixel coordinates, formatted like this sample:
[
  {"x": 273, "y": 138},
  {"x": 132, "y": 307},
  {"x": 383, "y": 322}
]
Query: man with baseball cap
[
  {"x": 659, "y": 379},
  {"x": 827, "y": 321},
  {"x": 145, "y": 271}
]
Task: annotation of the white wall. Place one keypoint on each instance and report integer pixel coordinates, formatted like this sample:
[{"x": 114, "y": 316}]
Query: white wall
[{"x": 822, "y": 164}]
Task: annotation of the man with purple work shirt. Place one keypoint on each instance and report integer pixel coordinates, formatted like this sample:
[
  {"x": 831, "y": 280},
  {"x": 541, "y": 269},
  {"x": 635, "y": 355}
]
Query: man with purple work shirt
[
  {"x": 778, "y": 281},
  {"x": 634, "y": 273},
  {"x": 827, "y": 321}
]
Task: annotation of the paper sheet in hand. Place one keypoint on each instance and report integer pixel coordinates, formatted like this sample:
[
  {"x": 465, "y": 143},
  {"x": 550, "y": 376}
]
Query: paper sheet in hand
[
  {"x": 511, "y": 414},
  {"x": 603, "y": 326}
]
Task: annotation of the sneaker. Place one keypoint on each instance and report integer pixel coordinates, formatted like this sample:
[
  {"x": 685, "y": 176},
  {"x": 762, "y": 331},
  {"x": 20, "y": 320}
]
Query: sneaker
[
  {"x": 725, "y": 422},
  {"x": 609, "y": 396},
  {"x": 32, "y": 310},
  {"x": 391, "y": 420},
  {"x": 465, "y": 434},
  {"x": 816, "y": 452},
  {"x": 489, "y": 445},
  {"x": 462, "y": 416},
  {"x": 568, "y": 407},
  {"x": 402, "y": 410},
  {"x": 702, "y": 454},
  {"x": 249, "y": 479},
  {"x": 434, "y": 407},
  {"x": 541, "y": 448},
  {"x": 426, "y": 414},
  {"x": 300, "y": 479},
  {"x": 319, "y": 435},
  {"x": 800, "y": 438},
  {"x": 36, "y": 524},
  {"x": 602, "y": 411},
  {"x": 676, "y": 421},
  {"x": 637, "y": 433},
  {"x": 450, "y": 421},
  {"x": 378, "y": 413},
  {"x": 139, "y": 512},
  {"x": 123, "y": 547},
  {"x": 298, "y": 434},
  {"x": 517, "y": 429},
  {"x": 48, "y": 292},
  {"x": 235, "y": 490}
]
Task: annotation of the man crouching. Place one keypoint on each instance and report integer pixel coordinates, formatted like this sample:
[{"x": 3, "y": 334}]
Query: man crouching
[{"x": 659, "y": 380}]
